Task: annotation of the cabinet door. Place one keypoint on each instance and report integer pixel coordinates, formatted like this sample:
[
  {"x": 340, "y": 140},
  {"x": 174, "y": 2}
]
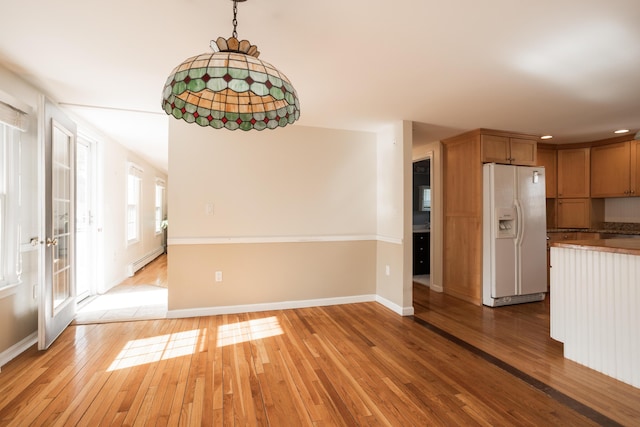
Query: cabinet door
[
  {"x": 573, "y": 172},
  {"x": 610, "y": 170},
  {"x": 635, "y": 168},
  {"x": 547, "y": 158},
  {"x": 574, "y": 213},
  {"x": 495, "y": 149},
  {"x": 523, "y": 151},
  {"x": 420, "y": 253}
]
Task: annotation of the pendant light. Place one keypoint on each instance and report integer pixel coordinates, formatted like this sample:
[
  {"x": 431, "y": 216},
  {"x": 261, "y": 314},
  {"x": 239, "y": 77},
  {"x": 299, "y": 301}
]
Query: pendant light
[{"x": 231, "y": 88}]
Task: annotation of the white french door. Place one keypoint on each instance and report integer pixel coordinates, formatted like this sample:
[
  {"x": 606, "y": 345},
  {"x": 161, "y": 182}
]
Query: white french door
[
  {"x": 58, "y": 299},
  {"x": 85, "y": 223}
]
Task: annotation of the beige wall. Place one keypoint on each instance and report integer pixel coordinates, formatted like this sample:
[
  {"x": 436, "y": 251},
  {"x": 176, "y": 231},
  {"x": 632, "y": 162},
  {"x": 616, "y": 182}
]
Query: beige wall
[
  {"x": 390, "y": 268},
  {"x": 394, "y": 269},
  {"x": 267, "y": 273},
  {"x": 294, "y": 215},
  {"x": 293, "y": 181}
]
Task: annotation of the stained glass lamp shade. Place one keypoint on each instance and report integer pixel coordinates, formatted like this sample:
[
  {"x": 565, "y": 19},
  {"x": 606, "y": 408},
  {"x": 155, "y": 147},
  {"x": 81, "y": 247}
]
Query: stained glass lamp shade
[{"x": 230, "y": 88}]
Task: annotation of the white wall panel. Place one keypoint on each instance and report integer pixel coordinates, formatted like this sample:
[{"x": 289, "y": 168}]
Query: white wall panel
[{"x": 595, "y": 304}]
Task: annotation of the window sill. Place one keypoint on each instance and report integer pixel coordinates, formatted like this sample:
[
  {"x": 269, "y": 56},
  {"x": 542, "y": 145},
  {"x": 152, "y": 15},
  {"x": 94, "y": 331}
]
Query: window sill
[{"x": 8, "y": 290}]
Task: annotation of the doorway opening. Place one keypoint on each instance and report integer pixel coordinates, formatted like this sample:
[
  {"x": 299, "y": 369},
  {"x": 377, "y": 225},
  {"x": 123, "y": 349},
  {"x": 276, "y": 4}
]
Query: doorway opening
[
  {"x": 421, "y": 221},
  {"x": 86, "y": 240}
]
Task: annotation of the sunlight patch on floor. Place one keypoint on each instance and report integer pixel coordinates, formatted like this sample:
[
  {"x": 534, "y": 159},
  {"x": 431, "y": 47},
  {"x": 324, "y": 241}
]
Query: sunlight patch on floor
[
  {"x": 256, "y": 329},
  {"x": 154, "y": 349}
]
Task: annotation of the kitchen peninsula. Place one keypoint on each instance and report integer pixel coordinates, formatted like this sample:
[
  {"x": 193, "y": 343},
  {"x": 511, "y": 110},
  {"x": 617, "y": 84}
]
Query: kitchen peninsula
[{"x": 595, "y": 304}]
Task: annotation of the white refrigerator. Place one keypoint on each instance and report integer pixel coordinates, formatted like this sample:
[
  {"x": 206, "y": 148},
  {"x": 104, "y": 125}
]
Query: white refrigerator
[{"x": 514, "y": 267}]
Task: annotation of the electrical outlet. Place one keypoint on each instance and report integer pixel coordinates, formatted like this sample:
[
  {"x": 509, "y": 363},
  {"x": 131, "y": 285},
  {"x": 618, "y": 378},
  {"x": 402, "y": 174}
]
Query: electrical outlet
[
  {"x": 387, "y": 270},
  {"x": 208, "y": 209},
  {"x": 218, "y": 276}
]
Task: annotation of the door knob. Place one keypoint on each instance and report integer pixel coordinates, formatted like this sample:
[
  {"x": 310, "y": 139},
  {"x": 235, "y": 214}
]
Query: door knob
[{"x": 52, "y": 242}]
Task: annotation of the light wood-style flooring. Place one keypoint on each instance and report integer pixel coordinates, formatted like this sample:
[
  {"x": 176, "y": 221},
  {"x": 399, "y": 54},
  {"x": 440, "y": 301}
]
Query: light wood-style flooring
[{"x": 353, "y": 365}]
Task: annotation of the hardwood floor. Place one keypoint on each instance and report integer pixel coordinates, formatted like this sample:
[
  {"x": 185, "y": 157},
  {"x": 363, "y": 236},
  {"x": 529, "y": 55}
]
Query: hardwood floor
[
  {"x": 357, "y": 364},
  {"x": 518, "y": 336}
]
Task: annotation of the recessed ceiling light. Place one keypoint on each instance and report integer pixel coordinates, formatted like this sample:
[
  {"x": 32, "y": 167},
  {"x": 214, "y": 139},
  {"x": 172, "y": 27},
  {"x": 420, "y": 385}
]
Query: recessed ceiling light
[
  {"x": 546, "y": 137},
  {"x": 621, "y": 131}
]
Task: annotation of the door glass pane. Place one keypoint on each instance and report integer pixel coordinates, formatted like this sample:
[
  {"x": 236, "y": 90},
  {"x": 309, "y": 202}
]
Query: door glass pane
[{"x": 61, "y": 197}]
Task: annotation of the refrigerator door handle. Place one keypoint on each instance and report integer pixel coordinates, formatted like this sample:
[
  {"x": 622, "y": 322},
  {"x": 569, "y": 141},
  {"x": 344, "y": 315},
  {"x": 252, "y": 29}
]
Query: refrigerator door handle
[
  {"x": 520, "y": 226},
  {"x": 519, "y": 223}
]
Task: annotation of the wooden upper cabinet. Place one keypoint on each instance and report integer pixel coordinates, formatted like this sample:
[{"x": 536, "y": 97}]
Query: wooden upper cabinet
[
  {"x": 573, "y": 172},
  {"x": 547, "y": 157},
  {"x": 506, "y": 150},
  {"x": 611, "y": 170},
  {"x": 523, "y": 151}
]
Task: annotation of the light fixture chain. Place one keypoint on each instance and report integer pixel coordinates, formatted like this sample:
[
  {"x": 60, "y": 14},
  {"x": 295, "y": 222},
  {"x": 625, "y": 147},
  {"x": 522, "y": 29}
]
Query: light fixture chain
[{"x": 235, "y": 19}]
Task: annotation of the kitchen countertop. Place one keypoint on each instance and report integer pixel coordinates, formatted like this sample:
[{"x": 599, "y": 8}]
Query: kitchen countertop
[
  {"x": 619, "y": 246},
  {"x": 601, "y": 231}
]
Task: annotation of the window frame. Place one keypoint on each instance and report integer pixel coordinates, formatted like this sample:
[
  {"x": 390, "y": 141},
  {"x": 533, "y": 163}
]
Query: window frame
[
  {"x": 133, "y": 203},
  {"x": 10, "y": 227},
  {"x": 159, "y": 208}
]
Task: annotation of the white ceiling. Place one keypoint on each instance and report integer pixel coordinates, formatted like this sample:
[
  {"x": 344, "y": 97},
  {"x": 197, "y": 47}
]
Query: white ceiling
[{"x": 570, "y": 68}]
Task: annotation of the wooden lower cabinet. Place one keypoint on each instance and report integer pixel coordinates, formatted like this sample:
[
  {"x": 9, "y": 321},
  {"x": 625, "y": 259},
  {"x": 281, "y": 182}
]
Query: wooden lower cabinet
[{"x": 421, "y": 253}]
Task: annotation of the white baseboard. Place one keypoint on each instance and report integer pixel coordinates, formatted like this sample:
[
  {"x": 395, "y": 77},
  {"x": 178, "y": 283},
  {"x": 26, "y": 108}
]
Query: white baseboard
[
  {"x": 436, "y": 288},
  {"x": 402, "y": 311},
  {"x": 284, "y": 305},
  {"x": 18, "y": 348}
]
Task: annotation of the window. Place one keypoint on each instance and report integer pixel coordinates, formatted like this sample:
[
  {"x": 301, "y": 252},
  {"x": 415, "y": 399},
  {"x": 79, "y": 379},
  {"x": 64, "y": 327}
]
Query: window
[
  {"x": 12, "y": 122},
  {"x": 3, "y": 196},
  {"x": 134, "y": 178},
  {"x": 159, "y": 205}
]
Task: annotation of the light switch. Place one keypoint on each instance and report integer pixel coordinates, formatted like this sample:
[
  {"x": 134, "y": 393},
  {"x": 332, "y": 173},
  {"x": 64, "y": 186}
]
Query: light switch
[{"x": 208, "y": 209}]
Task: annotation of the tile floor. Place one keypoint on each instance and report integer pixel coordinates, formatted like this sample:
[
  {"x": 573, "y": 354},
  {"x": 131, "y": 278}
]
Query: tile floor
[
  {"x": 424, "y": 279},
  {"x": 124, "y": 303}
]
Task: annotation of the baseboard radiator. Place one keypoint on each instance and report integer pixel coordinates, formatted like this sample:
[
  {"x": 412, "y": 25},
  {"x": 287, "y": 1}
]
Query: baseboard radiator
[{"x": 146, "y": 259}]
